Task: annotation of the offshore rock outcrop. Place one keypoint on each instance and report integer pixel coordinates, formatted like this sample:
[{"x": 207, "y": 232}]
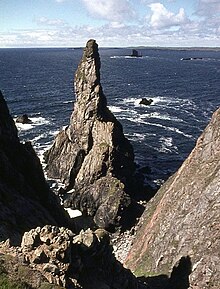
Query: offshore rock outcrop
[
  {"x": 91, "y": 156},
  {"x": 25, "y": 198},
  {"x": 180, "y": 226}
]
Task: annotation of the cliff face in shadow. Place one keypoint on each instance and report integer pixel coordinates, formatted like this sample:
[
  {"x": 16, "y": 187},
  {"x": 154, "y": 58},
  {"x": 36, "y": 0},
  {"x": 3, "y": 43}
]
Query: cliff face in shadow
[
  {"x": 47, "y": 253},
  {"x": 25, "y": 199},
  {"x": 183, "y": 218},
  {"x": 91, "y": 156}
]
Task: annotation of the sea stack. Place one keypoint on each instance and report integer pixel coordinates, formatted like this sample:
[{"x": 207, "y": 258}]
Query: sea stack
[{"x": 92, "y": 157}]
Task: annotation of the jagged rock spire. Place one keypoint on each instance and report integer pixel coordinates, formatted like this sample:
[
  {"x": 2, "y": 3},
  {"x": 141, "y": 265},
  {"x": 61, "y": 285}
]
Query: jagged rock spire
[{"x": 92, "y": 155}]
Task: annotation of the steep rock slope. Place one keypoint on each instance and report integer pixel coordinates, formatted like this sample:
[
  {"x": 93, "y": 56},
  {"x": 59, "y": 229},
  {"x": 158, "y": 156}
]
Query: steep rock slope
[
  {"x": 25, "y": 199},
  {"x": 47, "y": 253},
  {"x": 182, "y": 221},
  {"x": 91, "y": 156}
]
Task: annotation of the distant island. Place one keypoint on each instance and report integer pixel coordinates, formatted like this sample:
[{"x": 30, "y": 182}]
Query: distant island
[{"x": 176, "y": 48}]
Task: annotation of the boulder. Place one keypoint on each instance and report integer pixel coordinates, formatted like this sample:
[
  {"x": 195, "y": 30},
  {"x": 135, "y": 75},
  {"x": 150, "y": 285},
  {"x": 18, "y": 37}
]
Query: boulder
[
  {"x": 24, "y": 119},
  {"x": 146, "y": 101},
  {"x": 92, "y": 156},
  {"x": 75, "y": 261},
  {"x": 179, "y": 230}
]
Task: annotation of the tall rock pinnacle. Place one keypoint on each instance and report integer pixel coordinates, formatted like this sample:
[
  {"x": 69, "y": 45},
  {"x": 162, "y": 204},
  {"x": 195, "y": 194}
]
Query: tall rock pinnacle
[{"x": 92, "y": 155}]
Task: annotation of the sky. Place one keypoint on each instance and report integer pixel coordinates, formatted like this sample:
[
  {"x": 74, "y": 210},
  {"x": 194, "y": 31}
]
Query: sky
[{"x": 113, "y": 23}]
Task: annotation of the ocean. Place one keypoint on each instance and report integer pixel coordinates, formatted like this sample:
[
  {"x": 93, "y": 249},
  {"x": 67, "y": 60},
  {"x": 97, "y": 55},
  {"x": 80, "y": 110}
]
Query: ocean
[{"x": 185, "y": 93}]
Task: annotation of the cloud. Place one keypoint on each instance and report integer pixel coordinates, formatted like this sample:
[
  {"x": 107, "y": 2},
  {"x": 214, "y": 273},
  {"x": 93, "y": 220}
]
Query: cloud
[
  {"x": 163, "y": 18},
  {"x": 208, "y": 8},
  {"x": 49, "y": 22},
  {"x": 163, "y": 28},
  {"x": 208, "y": 12},
  {"x": 111, "y": 34},
  {"x": 111, "y": 10}
]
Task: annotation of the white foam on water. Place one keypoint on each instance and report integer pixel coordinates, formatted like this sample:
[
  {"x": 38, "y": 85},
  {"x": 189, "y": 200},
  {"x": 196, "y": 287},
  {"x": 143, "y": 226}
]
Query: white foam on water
[
  {"x": 68, "y": 101},
  {"x": 35, "y": 121},
  {"x": 128, "y": 57},
  {"x": 73, "y": 213},
  {"x": 115, "y": 108},
  {"x": 157, "y": 100},
  {"x": 174, "y": 129},
  {"x": 37, "y": 138},
  {"x": 54, "y": 133},
  {"x": 132, "y": 100},
  {"x": 158, "y": 115},
  {"x": 136, "y": 136},
  {"x": 167, "y": 145},
  {"x": 25, "y": 126},
  {"x": 40, "y": 150}
]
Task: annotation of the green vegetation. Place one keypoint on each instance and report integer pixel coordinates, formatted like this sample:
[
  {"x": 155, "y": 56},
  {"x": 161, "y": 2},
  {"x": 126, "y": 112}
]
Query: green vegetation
[
  {"x": 49, "y": 286},
  {"x": 14, "y": 278},
  {"x": 6, "y": 283}
]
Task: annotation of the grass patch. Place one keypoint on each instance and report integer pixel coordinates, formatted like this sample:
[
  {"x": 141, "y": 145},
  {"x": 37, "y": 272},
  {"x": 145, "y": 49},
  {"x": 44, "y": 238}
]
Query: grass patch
[{"x": 6, "y": 283}]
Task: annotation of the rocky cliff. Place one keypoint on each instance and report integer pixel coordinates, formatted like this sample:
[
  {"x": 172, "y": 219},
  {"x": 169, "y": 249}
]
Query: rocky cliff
[
  {"x": 91, "y": 156},
  {"x": 25, "y": 199},
  {"x": 180, "y": 226},
  {"x": 48, "y": 254}
]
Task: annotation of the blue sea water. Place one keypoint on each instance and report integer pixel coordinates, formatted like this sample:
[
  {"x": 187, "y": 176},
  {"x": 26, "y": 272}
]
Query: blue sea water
[{"x": 185, "y": 93}]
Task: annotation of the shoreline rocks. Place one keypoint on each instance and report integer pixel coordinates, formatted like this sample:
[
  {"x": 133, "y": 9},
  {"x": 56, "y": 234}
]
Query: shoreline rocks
[
  {"x": 146, "y": 101},
  {"x": 24, "y": 119}
]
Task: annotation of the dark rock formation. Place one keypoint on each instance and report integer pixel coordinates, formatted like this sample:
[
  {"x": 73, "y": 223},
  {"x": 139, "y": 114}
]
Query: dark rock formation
[
  {"x": 92, "y": 155},
  {"x": 23, "y": 119},
  {"x": 180, "y": 226},
  {"x": 146, "y": 101},
  {"x": 49, "y": 255},
  {"x": 135, "y": 53},
  {"x": 25, "y": 199}
]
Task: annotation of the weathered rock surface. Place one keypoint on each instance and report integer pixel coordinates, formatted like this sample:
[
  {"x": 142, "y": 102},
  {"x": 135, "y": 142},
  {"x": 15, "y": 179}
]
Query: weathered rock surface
[
  {"x": 180, "y": 226},
  {"x": 91, "y": 156},
  {"x": 72, "y": 261},
  {"x": 50, "y": 256},
  {"x": 25, "y": 199}
]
